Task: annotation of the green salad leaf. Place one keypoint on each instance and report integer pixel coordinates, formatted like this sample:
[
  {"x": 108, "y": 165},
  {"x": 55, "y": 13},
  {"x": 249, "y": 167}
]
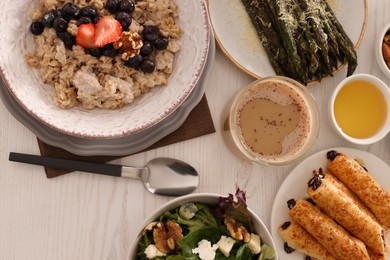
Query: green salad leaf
[{"x": 237, "y": 210}]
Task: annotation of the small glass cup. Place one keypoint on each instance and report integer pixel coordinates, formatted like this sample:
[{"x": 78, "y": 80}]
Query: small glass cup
[
  {"x": 276, "y": 112},
  {"x": 382, "y": 131}
]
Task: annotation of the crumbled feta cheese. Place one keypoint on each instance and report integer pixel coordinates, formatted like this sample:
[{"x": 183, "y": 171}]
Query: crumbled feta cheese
[
  {"x": 188, "y": 210},
  {"x": 254, "y": 244},
  {"x": 151, "y": 252},
  {"x": 225, "y": 244},
  {"x": 205, "y": 250}
]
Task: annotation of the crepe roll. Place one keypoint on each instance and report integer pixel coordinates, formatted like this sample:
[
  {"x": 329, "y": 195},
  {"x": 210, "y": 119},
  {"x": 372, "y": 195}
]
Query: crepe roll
[
  {"x": 339, "y": 184},
  {"x": 337, "y": 205},
  {"x": 336, "y": 240},
  {"x": 297, "y": 238},
  {"x": 357, "y": 179}
]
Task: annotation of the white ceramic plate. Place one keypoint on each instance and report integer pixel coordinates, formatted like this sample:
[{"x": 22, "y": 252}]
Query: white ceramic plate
[
  {"x": 295, "y": 186},
  {"x": 210, "y": 198},
  {"x": 111, "y": 147},
  {"x": 146, "y": 111},
  {"x": 238, "y": 38}
]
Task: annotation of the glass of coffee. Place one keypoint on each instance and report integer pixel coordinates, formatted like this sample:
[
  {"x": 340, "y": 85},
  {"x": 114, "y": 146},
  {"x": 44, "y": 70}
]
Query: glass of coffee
[{"x": 273, "y": 121}]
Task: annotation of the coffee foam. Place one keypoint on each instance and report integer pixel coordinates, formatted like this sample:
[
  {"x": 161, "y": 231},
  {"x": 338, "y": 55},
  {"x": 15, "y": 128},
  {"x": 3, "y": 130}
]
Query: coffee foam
[{"x": 282, "y": 93}]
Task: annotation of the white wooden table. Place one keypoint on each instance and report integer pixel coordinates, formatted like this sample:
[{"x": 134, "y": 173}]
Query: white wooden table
[{"x": 86, "y": 216}]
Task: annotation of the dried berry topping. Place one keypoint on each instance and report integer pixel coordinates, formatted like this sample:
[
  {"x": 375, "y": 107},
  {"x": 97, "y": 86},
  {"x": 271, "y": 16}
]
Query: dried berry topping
[
  {"x": 331, "y": 155},
  {"x": 311, "y": 201},
  {"x": 291, "y": 203},
  {"x": 315, "y": 182},
  {"x": 288, "y": 249},
  {"x": 286, "y": 225},
  {"x": 321, "y": 172}
]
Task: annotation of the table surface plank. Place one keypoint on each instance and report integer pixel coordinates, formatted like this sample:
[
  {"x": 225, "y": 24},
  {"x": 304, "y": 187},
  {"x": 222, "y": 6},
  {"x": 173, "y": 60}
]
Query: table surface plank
[{"x": 86, "y": 216}]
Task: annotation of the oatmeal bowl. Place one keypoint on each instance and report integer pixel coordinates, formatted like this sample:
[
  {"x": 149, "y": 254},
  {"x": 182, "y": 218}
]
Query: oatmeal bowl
[{"x": 102, "y": 69}]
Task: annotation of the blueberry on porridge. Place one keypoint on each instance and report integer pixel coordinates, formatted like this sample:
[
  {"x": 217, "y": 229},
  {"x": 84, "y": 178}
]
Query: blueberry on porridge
[{"x": 103, "y": 53}]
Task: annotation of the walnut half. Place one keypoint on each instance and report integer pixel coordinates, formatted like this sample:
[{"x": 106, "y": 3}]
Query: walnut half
[
  {"x": 129, "y": 44},
  {"x": 166, "y": 235},
  {"x": 237, "y": 230}
]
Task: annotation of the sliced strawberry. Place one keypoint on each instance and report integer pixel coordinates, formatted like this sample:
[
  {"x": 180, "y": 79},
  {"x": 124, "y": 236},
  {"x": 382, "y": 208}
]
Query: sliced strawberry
[
  {"x": 86, "y": 35},
  {"x": 108, "y": 30}
]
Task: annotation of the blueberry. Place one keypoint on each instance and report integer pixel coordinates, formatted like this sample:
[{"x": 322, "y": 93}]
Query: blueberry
[
  {"x": 37, "y": 28},
  {"x": 63, "y": 15},
  {"x": 88, "y": 11},
  {"x": 109, "y": 50},
  {"x": 161, "y": 43},
  {"x": 68, "y": 39},
  {"x": 124, "y": 19},
  {"x": 127, "y": 6},
  {"x": 147, "y": 48},
  {"x": 60, "y": 24},
  {"x": 113, "y": 6},
  {"x": 151, "y": 32},
  {"x": 147, "y": 66},
  {"x": 48, "y": 18},
  {"x": 71, "y": 10},
  {"x": 134, "y": 62},
  {"x": 96, "y": 19},
  {"x": 83, "y": 20},
  {"x": 96, "y": 52}
]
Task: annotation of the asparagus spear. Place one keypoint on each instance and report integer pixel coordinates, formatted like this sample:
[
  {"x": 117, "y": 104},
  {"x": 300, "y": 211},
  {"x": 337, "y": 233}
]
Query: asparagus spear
[
  {"x": 319, "y": 35},
  {"x": 286, "y": 33},
  {"x": 268, "y": 37},
  {"x": 346, "y": 45}
]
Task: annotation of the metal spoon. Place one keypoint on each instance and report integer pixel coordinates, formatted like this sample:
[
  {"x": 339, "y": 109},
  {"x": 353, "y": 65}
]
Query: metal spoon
[{"x": 163, "y": 176}]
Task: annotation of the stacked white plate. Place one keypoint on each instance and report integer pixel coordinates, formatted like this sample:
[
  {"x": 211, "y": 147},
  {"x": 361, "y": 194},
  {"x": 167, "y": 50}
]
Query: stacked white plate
[
  {"x": 118, "y": 146},
  {"x": 76, "y": 132}
]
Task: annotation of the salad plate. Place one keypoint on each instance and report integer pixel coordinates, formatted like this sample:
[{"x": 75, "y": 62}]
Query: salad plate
[
  {"x": 110, "y": 147},
  {"x": 295, "y": 186},
  {"x": 207, "y": 198},
  {"x": 238, "y": 39}
]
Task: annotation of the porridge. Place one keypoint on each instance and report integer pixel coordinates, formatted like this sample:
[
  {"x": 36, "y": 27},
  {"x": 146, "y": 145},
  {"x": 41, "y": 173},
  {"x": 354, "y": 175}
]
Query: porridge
[{"x": 104, "y": 54}]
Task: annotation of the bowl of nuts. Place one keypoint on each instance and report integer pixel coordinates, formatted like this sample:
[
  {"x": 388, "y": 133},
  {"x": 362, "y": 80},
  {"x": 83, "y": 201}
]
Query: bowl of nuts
[
  {"x": 203, "y": 226},
  {"x": 382, "y": 50}
]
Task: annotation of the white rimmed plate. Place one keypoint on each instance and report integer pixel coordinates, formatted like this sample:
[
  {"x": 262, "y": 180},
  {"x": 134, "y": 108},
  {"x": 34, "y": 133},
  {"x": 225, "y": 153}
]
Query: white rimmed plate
[
  {"x": 295, "y": 186},
  {"x": 35, "y": 97},
  {"x": 238, "y": 38},
  {"x": 111, "y": 147}
]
